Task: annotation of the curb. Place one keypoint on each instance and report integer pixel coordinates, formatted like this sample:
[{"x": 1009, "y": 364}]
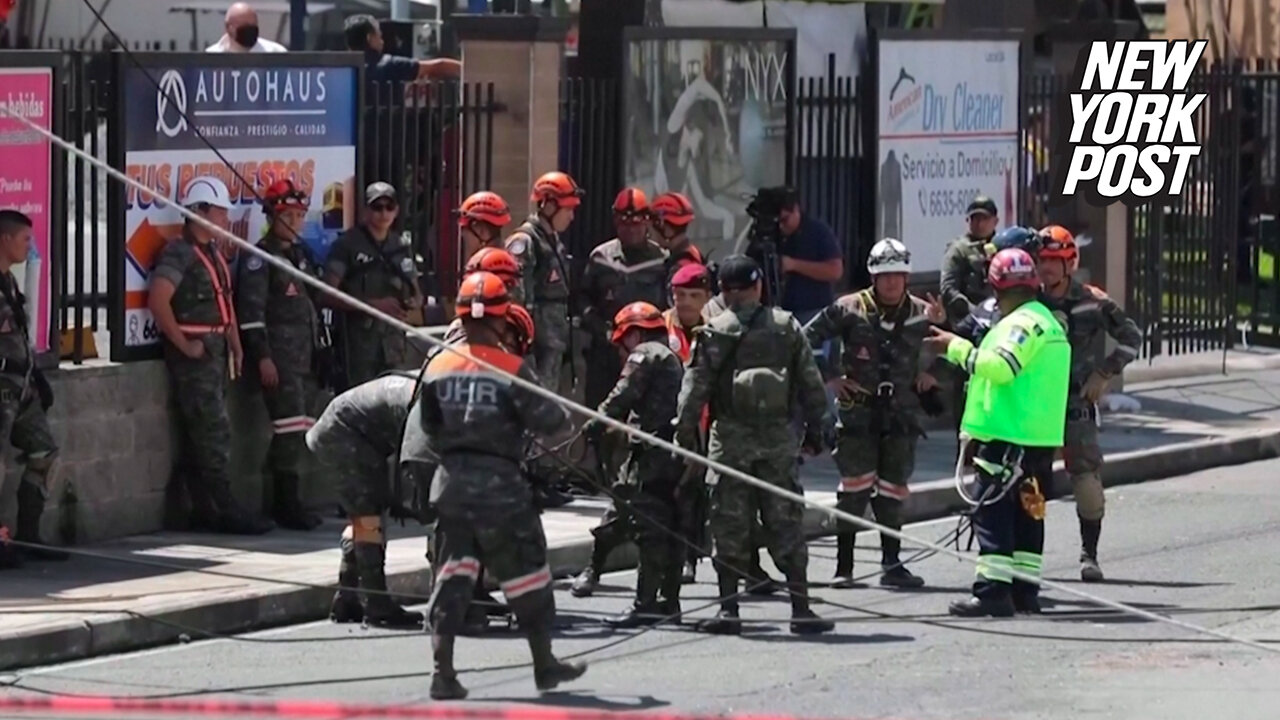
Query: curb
[
  {"x": 236, "y": 613},
  {"x": 1182, "y": 368}
]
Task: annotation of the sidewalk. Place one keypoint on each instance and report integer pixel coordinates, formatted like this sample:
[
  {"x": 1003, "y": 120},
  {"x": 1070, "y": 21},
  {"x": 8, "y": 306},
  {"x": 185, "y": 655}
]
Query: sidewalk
[{"x": 60, "y": 612}]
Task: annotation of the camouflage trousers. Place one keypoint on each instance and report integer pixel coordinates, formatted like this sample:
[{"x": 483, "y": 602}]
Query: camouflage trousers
[
  {"x": 874, "y": 468},
  {"x": 735, "y": 507},
  {"x": 200, "y": 392},
  {"x": 550, "y": 344},
  {"x": 1083, "y": 458},
  {"x": 513, "y": 549},
  {"x": 289, "y": 408},
  {"x": 24, "y": 424},
  {"x": 375, "y": 349}
]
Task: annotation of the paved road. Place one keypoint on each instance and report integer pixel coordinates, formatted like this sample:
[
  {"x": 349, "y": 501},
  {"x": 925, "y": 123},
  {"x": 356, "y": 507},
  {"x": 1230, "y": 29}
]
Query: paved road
[{"x": 1200, "y": 547}]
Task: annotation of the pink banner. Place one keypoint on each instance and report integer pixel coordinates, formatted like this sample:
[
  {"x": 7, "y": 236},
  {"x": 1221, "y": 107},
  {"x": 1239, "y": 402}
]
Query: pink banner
[{"x": 25, "y": 182}]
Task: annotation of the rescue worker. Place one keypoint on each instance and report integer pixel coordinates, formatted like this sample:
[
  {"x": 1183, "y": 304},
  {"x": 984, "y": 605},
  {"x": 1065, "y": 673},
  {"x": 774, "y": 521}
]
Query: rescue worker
[
  {"x": 690, "y": 292},
  {"x": 25, "y": 397},
  {"x": 544, "y": 272},
  {"x": 1017, "y": 398},
  {"x": 278, "y": 326},
  {"x": 376, "y": 267},
  {"x": 190, "y": 299},
  {"x": 750, "y": 364},
  {"x": 882, "y": 330},
  {"x": 356, "y": 437},
  {"x": 481, "y": 218},
  {"x": 987, "y": 313},
  {"x": 483, "y": 503},
  {"x": 672, "y": 215},
  {"x": 1089, "y": 316},
  {"x": 962, "y": 282},
  {"x": 645, "y": 398}
]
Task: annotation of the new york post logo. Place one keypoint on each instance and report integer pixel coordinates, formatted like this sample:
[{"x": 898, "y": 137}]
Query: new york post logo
[{"x": 1132, "y": 131}]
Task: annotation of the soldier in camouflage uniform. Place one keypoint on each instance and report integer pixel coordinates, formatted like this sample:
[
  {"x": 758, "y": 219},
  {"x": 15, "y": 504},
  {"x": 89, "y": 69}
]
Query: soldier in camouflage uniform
[
  {"x": 1089, "y": 315},
  {"x": 25, "y": 396},
  {"x": 963, "y": 281},
  {"x": 357, "y": 437},
  {"x": 882, "y": 330},
  {"x": 278, "y": 328},
  {"x": 544, "y": 271},
  {"x": 190, "y": 299},
  {"x": 373, "y": 265},
  {"x": 645, "y": 397},
  {"x": 751, "y": 364},
  {"x": 484, "y": 505}
]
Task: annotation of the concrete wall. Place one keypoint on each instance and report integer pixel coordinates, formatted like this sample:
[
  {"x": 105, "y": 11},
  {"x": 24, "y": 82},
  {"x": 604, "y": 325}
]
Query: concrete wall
[{"x": 118, "y": 437}]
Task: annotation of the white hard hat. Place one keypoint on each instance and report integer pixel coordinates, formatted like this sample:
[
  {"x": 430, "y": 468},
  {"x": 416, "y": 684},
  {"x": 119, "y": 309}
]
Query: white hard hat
[
  {"x": 206, "y": 190},
  {"x": 889, "y": 256}
]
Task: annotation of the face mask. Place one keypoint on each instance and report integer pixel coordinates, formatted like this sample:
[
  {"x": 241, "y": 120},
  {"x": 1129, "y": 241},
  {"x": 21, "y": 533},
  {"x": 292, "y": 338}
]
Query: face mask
[{"x": 247, "y": 36}]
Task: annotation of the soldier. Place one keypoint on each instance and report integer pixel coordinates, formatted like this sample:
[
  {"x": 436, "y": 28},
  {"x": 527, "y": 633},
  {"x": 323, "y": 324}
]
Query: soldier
[
  {"x": 882, "y": 330},
  {"x": 483, "y": 503},
  {"x": 645, "y": 397},
  {"x": 25, "y": 396},
  {"x": 544, "y": 271},
  {"x": 190, "y": 299},
  {"x": 481, "y": 219},
  {"x": 357, "y": 435},
  {"x": 672, "y": 214},
  {"x": 987, "y": 313},
  {"x": 963, "y": 281},
  {"x": 1013, "y": 413},
  {"x": 278, "y": 326},
  {"x": 1089, "y": 316},
  {"x": 690, "y": 292},
  {"x": 750, "y": 364},
  {"x": 370, "y": 264}
]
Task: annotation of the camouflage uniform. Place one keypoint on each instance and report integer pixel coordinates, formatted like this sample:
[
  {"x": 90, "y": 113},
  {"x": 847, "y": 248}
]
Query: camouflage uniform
[
  {"x": 645, "y": 397},
  {"x": 24, "y": 397},
  {"x": 544, "y": 291},
  {"x": 963, "y": 285},
  {"x": 358, "y": 439},
  {"x": 278, "y": 322},
  {"x": 368, "y": 269},
  {"x": 203, "y": 308},
  {"x": 877, "y": 431},
  {"x": 750, "y": 364},
  {"x": 485, "y": 506},
  {"x": 1089, "y": 315}
]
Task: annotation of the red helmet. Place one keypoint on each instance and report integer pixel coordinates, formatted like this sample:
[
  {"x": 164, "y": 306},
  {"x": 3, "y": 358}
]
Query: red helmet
[
  {"x": 636, "y": 315},
  {"x": 1057, "y": 243},
  {"x": 557, "y": 187},
  {"x": 692, "y": 275},
  {"x": 631, "y": 206},
  {"x": 520, "y": 322},
  {"x": 283, "y": 194},
  {"x": 1012, "y": 268},
  {"x": 484, "y": 206},
  {"x": 481, "y": 294},
  {"x": 672, "y": 208},
  {"x": 496, "y": 261}
]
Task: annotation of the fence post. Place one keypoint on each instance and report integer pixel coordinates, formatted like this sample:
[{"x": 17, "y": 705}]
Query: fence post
[{"x": 521, "y": 55}]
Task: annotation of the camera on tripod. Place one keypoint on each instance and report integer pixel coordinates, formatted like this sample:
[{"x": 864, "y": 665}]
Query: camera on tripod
[{"x": 765, "y": 234}]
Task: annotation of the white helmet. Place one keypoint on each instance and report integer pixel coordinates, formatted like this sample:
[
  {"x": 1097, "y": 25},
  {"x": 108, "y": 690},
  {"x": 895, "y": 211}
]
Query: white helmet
[
  {"x": 206, "y": 190},
  {"x": 889, "y": 256}
]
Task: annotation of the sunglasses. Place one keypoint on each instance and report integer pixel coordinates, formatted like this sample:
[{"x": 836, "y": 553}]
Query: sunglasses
[{"x": 383, "y": 207}]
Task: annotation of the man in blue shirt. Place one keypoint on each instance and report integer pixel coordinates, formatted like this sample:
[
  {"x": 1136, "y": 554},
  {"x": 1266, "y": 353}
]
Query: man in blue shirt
[
  {"x": 363, "y": 34},
  {"x": 812, "y": 261}
]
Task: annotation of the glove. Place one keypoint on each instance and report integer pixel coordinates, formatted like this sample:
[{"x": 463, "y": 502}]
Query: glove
[
  {"x": 931, "y": 402},
  {"x": 43, "y": 389},
  {"x": 1096, "y": 386},
  {"x": 812, "y": 443}
]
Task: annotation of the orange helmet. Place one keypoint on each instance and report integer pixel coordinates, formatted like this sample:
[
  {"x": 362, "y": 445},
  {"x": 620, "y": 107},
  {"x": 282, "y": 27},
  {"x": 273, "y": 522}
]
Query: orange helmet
[
  {"x": 1057, "y": 243},
  {"x": 519, "y": 320},
  {"x": 283, "y": 194},
  {"x": 636, "y": 315},
  {"x": 631, "y": 206},
  {"x": 484, "y": 206},
  {"x": 673, "y": 208},
  {"x": 557, "y": 187},
  {"x": 496, "y": 261},
  {"x": 481, "y": 294}
]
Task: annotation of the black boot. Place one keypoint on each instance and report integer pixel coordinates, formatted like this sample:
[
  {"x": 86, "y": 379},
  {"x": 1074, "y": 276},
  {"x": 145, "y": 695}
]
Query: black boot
[
  {"x": 644, "y": 611},
  {"x": 804, "y": 621},
  {"x": 379, "y": 609},
  {"x": 843, "y": 578},
  {"x": 346, "y": 601},
  {"x": 1090, "y": 531},
  {"x": 287, "y": 509},
  {"x": 726, "y": 622},
  {"x": 228, "y": 517},
  {"x": 30, "y": 509},
  {"x": 996, "y": 601},
  {"x": 669, "y": 587},
  {"x": 758, "y": 581},
  {"x": 444, "y": 678},
  {"x": 585, "y": 584},
  {"x": 548, "y": 670},
  {"x": 895, "y": 574}
]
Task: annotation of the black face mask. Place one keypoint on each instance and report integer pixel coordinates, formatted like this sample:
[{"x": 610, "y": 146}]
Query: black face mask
[{"x": 247, "y": 36}]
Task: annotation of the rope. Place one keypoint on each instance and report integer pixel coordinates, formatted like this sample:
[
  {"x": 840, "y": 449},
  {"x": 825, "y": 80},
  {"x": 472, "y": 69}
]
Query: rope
[{"x": 534, "y": 388}]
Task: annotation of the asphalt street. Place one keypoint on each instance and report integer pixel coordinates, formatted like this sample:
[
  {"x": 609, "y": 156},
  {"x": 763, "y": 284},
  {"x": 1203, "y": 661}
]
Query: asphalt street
[{"x": 1200, "y": 548}]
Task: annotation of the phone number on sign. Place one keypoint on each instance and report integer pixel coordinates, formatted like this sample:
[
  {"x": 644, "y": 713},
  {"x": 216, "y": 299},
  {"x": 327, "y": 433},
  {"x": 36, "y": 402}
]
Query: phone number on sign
[{"x": 946, "y": 203}]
